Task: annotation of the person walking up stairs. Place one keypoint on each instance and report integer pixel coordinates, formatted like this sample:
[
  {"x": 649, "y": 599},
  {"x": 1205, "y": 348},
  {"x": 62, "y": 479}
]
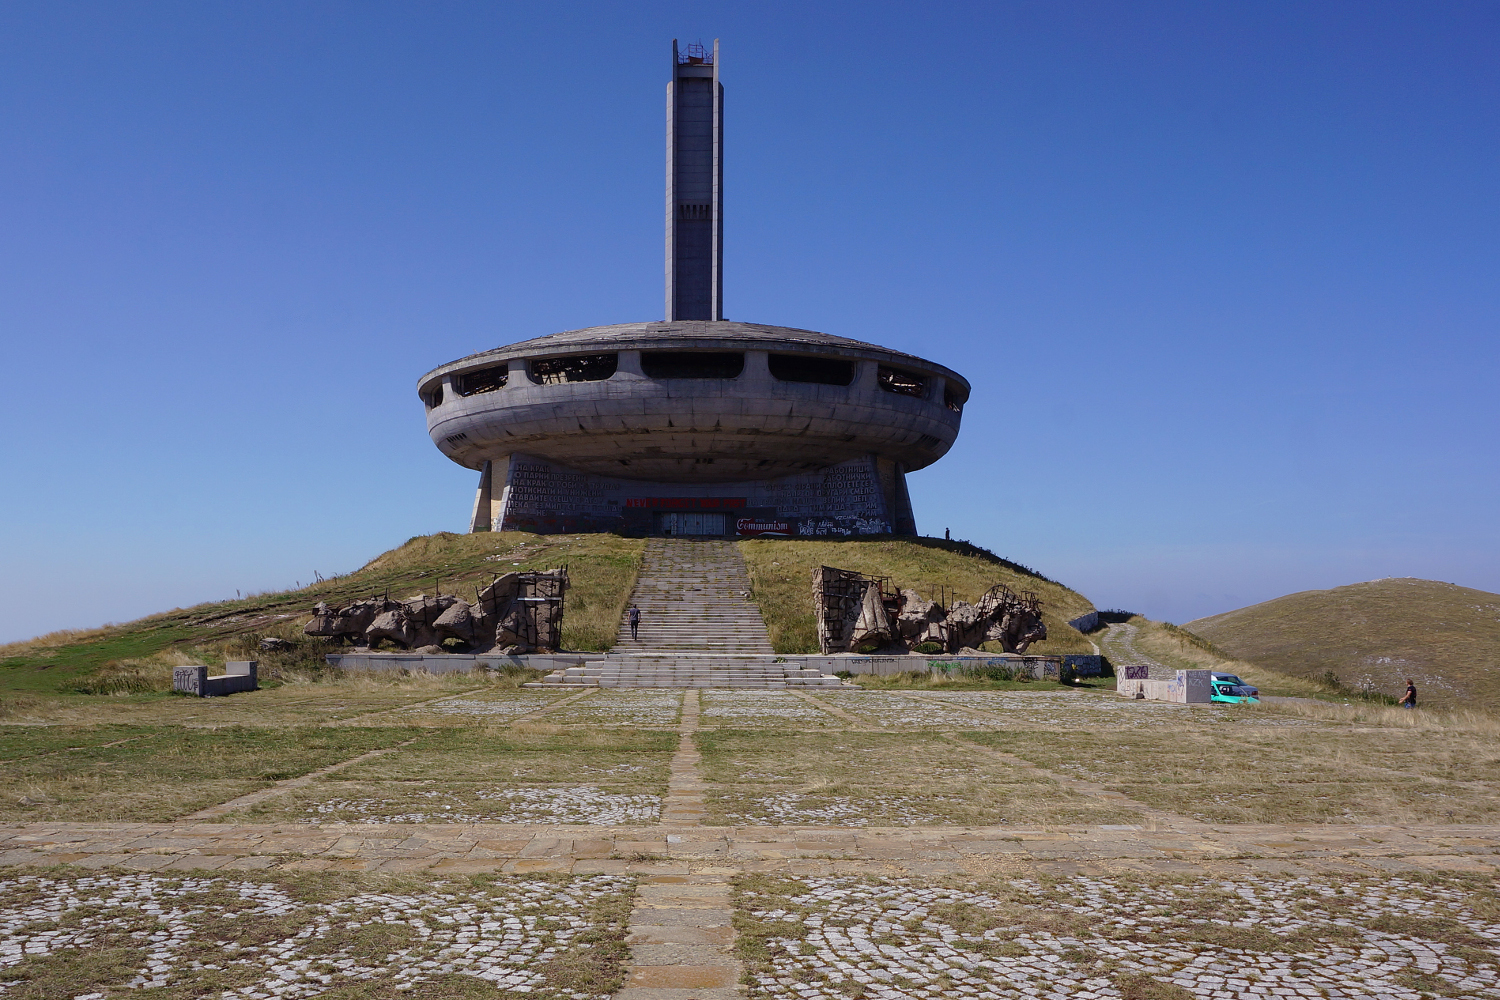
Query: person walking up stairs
[
  {"x": 693, "y": 597},
  {"x": 696, "y": 628}
]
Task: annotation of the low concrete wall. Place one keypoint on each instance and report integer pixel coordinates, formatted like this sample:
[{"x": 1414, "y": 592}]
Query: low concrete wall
[
  {"x": 1085, "y": 623},
  {"x": 239, "y": 675},
  {"x": 457, "y": 663},
  {"x": 1039, "y": 667},
  {"x": 1086, "y": 665},
  {"x": 1189, "y": 687}
]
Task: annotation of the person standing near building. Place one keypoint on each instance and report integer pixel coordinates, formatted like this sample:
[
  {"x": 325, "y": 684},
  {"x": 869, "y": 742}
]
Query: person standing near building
[
  {"x": 1409, "y": 699},
  {"x": 635, "y": 622}
]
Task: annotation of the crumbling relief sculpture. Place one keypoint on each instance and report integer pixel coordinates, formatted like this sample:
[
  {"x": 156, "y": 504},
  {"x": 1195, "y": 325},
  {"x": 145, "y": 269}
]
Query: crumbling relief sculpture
[
  {"x": 851, "y": 610},
  {"x": 855, "y": 612},
  {"x": 517, "y": 613}
]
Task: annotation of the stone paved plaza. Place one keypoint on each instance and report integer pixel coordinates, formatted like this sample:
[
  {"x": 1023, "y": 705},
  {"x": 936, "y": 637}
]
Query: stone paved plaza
[{"x": 676, "y": 845}]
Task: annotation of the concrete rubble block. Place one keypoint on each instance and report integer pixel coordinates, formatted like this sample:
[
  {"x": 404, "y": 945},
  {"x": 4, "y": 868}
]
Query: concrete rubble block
[
  {"x": 853, "y": 610},
  {"x": 968, "y": 625},
  {"x": 917, "y": 618},
  {"x": 1188, "y": 687},
  {"x": 392, "y": 624},
  {"x": 850, "y": 610},
  {"x": 350, "y": 621},
  {"x": 457, "y": 622},
  {"x": 190, "y": 680},
  {"x": 239, "y": 675}
]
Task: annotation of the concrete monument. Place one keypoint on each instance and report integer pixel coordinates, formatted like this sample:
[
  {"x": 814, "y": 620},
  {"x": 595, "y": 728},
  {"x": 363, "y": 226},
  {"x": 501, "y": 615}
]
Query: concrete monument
[{"x": 694, "y": 425}]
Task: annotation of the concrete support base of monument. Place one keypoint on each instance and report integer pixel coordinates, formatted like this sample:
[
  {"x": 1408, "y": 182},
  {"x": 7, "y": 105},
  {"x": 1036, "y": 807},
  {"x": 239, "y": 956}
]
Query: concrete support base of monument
[{"x": 865, "y": 496}]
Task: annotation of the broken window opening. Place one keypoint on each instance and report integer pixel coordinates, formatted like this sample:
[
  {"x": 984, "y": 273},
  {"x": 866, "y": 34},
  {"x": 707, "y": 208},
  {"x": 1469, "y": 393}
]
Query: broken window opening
[
  {"x": 953, "y": 400},
  {"x": 902, "y": 383},
  {"x": 692, "y": 364},
  {"x": 481, "y": 380},
  {"x": 811, "y": 368},
  {"x": 433, "y": 397},
  {"x": 580, "y": 368}
]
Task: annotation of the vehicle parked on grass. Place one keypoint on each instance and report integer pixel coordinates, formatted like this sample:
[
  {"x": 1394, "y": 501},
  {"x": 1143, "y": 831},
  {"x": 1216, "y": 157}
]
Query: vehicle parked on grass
[{"x": 1229, "y": 688}]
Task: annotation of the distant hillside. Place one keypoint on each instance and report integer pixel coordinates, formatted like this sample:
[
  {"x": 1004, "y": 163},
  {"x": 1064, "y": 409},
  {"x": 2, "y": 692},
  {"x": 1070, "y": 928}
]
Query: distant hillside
[
  {"x": 781, "y": 583},
  {"x": 1376, "y": 634}
]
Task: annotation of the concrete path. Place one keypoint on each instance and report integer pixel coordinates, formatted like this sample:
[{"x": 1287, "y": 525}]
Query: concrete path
[
  {"x": 683, "y": 805},
  {"x": 682, "y": 938},
  {"x": 682, "y": 928},
  {"x": 687, "y": 849},
  {"x": 1118, "y": 640}
]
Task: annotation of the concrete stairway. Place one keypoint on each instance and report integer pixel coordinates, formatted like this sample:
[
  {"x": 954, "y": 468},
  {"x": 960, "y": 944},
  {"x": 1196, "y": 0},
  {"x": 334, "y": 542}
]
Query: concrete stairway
[
  {"x": 693, "y": 599},
  {"x": 698, "y": 628},
  {"x": 647, "y": 671}
]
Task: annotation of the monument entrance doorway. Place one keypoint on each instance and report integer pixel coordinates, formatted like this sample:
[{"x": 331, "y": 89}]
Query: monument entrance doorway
[{"x": 678, "y": 524}]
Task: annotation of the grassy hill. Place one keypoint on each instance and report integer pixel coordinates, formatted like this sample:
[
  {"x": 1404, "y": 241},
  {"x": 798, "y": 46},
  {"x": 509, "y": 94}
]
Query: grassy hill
[
  {"x": 137, "y": 655},
  {"x": 1374, "y": 635},
  {"x": 1179, "y": 649},
  {"x": 781, "y": 583}
]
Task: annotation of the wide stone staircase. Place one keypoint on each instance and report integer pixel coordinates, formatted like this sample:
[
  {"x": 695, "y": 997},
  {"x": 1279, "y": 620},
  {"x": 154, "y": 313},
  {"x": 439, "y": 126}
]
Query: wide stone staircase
[{"x": 698, "y": 628}]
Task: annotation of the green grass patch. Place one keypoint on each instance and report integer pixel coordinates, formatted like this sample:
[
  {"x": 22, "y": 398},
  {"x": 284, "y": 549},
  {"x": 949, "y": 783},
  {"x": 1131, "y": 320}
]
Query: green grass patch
[{"x": 601, "y": 568}]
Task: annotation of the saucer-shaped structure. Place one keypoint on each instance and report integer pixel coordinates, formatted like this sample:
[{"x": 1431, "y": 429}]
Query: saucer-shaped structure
[
  {"x": 694, "y": 402},
  {"x": 694, "y": 425}
]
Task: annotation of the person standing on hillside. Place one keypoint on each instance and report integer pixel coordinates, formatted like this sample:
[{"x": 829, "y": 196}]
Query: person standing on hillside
[
  {"x": 635, "y": 622},
  {"x": 1409, "y": 699}
]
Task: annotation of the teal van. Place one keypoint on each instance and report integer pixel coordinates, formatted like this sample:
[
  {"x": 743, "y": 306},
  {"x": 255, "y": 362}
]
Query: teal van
[{"x": 1229, "y": 688}]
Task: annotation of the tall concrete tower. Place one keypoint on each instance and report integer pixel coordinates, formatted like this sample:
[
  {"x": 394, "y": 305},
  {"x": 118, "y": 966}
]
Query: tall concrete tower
[{"x": 695, "y": 185}]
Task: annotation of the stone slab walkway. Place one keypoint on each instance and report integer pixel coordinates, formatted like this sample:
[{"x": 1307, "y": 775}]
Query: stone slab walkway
[
  {"x": 678, "y": 849},
  {"x": 683, "y": 805},
  {"x": 682, "y": 938}
]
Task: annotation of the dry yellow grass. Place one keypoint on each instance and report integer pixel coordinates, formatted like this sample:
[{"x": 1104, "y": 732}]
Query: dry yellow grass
[
  {"x": 1448, "y": 720},
  {"x": 329, "y": 697},
  {"x": 880, "y": 779},
  {"x": 1291, "y": 762},
  {"x": 781, "y": 583},
  {"x": 1375, "y": 635},
  {"x": 1182, "y": 650}
]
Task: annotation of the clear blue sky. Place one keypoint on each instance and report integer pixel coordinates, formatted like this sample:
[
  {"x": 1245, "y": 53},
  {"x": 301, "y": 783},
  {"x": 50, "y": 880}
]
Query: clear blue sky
[{"x": 1224, "y": 275}]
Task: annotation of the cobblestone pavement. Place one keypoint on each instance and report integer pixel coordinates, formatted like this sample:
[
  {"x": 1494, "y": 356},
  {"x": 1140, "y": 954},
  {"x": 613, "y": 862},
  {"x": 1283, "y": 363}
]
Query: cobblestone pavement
[
  {"x": 761, "y": 709},
  {"x": 242, "y": 938},
  {"x": 1160, "y": 908},
  {"x": 1305, "y": 936},
  {"x": 624, "y": 707}
]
